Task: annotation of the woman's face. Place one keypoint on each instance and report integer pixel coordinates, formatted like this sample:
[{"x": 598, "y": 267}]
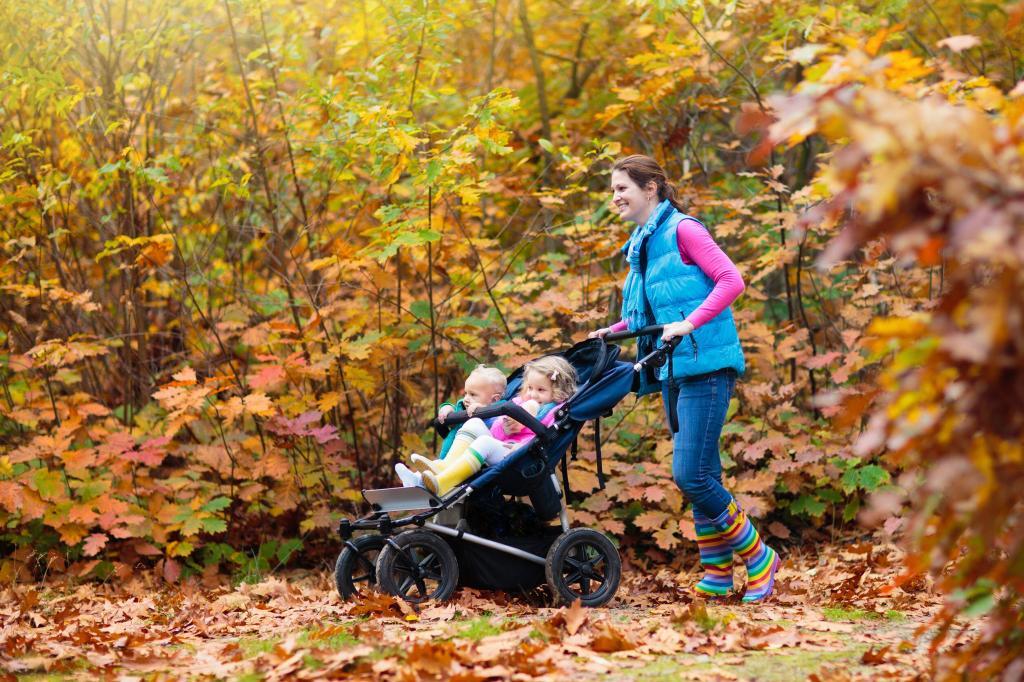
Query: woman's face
[
  {"x": 537, "y": 386},
  {"x": 629, "y": 200}
]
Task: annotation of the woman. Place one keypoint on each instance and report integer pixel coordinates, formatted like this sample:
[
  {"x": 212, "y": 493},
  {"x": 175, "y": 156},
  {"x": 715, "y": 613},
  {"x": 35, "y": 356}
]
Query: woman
[{"x": 680, "y": 278}]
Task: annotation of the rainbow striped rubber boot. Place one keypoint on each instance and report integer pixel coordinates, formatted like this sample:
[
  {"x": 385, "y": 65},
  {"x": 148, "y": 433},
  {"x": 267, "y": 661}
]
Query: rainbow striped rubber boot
[
  {"x": 715, "y": 557},
  {"x": 762, "y": 561}
]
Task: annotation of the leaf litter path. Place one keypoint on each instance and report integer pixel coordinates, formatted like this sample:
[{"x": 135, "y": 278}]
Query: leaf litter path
[{"x": 838, "y": 615}]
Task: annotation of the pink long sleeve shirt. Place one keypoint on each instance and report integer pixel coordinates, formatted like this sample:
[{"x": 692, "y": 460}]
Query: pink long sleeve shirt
[
  {"x": 525, "y": 434},
  {"x": 696, "y": 246}
]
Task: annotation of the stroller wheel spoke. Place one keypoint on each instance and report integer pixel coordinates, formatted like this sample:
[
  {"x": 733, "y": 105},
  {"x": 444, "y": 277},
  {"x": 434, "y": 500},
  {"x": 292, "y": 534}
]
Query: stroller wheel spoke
[
  {"x": 403, "y": 588},
  {"x": 573, "y": 578}
]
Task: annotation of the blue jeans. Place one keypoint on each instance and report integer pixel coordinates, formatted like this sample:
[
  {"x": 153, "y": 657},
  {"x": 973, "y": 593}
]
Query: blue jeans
[{"x": 700, "y": 403}]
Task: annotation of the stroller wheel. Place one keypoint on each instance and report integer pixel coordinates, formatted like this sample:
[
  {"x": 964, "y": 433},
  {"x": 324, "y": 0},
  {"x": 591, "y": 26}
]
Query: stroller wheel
[
  {"x": 583, "y": 564},
  {"x": 423, "y": 567},
  {"x": 354, "y": 573}
]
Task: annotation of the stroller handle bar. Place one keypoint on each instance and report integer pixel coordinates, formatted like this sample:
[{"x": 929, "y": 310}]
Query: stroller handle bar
[
  {"x": 505, "y": 409},
  {"x": 656, "y": 357},
  {"x": 620, "y": 336}
]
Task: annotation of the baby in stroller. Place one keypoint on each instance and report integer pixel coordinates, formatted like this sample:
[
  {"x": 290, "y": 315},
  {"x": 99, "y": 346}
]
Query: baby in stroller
[{"x": 547, "y": 383}]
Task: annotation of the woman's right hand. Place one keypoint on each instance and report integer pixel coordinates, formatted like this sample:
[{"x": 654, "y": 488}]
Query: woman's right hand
[{"x": 599, "y": 333}]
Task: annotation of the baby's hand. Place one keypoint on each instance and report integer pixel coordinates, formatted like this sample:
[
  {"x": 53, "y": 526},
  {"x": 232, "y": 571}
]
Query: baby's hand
[
  {"x": 470, "y": 407},
  {"x": 511, "y": 426},
  {"x": 443, "y": 413},
  {"x": 532, "y": 406}
]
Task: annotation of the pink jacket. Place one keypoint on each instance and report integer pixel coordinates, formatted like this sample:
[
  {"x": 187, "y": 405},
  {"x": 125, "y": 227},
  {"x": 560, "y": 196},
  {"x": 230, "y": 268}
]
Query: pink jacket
[
  {"x": 498, "y": 427},
  {"x": 696, "y": 245}
]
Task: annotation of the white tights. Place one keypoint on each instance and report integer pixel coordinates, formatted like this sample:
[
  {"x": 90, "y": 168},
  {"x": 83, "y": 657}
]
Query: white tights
[{"x": 480, "y": 440}]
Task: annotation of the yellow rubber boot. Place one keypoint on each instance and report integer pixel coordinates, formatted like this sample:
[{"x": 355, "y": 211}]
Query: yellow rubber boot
[
  {"x": 456, "y": 470},
  {"x": 459, "y": 445}
]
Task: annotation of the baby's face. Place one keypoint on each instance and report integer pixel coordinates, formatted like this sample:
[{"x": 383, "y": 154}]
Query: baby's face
[{"x": 480, "y": 391}]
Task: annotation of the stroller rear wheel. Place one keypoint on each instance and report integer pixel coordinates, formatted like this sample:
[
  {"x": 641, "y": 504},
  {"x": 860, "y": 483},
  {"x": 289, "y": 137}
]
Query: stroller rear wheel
[
  {"x": 354, "y": 572},
  {"x": 583, "y": 564},
  {"x": 422, "y": 567}
]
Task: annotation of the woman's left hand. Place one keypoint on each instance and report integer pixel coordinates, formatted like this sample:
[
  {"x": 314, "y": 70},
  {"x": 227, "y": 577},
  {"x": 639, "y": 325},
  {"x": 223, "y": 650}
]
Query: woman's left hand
[{"x": 674, "y": 329}]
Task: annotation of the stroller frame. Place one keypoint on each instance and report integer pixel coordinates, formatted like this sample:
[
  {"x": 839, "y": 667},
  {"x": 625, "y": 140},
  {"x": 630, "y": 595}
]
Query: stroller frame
[{"x": 576, "y": 553}]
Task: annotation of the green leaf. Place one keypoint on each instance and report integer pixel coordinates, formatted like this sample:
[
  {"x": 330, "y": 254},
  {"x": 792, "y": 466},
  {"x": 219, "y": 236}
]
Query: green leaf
[
  {"x": 217, "y": 504},
  {"x": 849, "y": 481},
  {"x": 420, "y": 309},
  {"x": 433, "y": 170},
  {"x": 807, "y": 506},
  {"x": 851, "y": 509},
  {"x": 192, "y": 526},
  {"x": 287, "y": 548},
  {"x": 48, "y": 483},
  {"x": 211, "y": 525},
  {"x": 183, "y": 549},
  {"x": 546, "y": 144},
  {"x": 872, "y": 476}
]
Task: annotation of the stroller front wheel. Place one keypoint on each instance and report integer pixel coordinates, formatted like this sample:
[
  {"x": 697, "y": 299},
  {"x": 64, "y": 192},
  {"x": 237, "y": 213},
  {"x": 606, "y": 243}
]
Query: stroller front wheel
[
  {"x": 422, "y": 567},
  {"x": 583, "y": 564},
  {"x": 355, "y": 571}
]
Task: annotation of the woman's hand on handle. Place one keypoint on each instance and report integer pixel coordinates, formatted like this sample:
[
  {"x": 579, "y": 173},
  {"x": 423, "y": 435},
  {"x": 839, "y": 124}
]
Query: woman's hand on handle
[
  {"x": 599, "y": 333},
  {"x": 674, "y": 329}
]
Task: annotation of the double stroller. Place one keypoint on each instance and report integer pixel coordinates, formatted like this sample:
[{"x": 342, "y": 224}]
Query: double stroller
[{"x": 478, "y": 534}]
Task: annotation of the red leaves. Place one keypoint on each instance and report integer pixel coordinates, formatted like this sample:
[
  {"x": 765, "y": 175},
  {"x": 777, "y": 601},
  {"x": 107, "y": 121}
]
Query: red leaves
[
  {"x": 303, "y": 425},
  {"x": 94, "y": 543}
]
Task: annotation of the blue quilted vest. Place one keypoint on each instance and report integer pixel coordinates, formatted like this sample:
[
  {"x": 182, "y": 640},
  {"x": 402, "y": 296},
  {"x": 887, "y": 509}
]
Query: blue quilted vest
[{"x": 661, "y": 288}]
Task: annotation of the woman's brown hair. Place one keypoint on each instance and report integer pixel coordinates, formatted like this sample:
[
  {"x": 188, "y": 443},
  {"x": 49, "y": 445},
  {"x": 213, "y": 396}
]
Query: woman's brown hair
[{"x": 643, "y": 170}]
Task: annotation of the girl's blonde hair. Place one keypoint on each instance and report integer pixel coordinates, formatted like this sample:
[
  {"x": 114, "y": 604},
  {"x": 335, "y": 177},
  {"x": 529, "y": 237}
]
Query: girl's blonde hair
[{"x": 559, "y": 371}]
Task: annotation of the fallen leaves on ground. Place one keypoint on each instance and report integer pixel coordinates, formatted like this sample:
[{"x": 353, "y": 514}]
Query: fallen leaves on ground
[{"x": 837, "y": 615}]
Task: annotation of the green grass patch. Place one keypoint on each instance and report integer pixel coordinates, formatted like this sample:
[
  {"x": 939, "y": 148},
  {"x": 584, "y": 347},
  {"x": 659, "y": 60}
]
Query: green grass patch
[
  {"x": 478, "y": 628},
  {"x": 252, "y": 646},
  {"x": 250, "y": 677},
  {"x": 840, "y": 614},
  {"x": 895, "y": 616},
  {"x": 757, "y": 665},
  {"x": 387, "y": 652},
  {"x": 336, "y": 639}
]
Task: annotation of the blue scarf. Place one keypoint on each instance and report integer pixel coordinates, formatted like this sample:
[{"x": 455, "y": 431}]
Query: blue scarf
[{"x": 633, "y": 308}]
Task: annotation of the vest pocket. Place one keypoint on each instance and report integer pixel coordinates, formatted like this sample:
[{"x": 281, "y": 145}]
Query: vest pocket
[{"x": 692, "y": 338}]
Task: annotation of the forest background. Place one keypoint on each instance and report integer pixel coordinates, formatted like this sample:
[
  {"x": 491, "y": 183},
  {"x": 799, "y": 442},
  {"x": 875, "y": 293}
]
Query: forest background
[{"x": 249, "y": 246}]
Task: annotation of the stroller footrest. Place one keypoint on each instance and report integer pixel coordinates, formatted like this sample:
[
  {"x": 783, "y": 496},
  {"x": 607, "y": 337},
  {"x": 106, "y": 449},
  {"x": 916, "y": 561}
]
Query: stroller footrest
[{"x": 401, "y": 499}]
